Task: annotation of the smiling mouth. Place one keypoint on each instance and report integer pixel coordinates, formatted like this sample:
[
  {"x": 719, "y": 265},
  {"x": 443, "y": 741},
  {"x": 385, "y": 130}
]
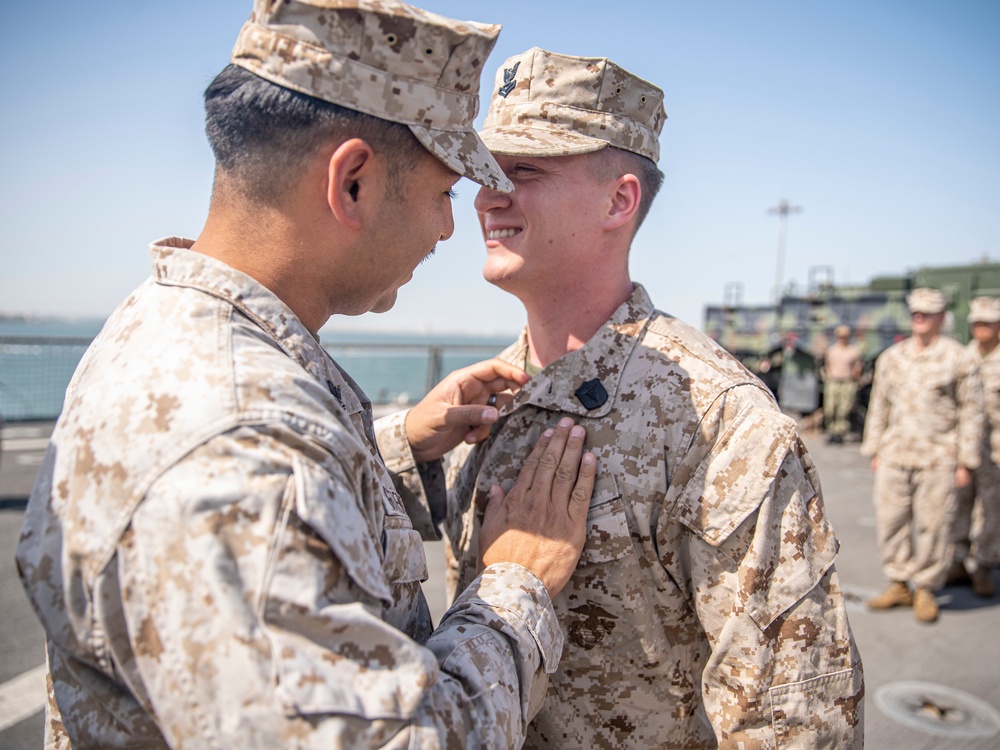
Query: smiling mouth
[{"x": 500, "y": 234}]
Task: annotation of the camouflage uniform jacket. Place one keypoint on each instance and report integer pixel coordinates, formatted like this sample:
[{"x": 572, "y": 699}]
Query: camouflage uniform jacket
[
  {"x": 706, "y": 610},
  {"x": 989, "y": 375},
  {"x": 926, "y": 406},
  {"x": 220, "y": 558}
]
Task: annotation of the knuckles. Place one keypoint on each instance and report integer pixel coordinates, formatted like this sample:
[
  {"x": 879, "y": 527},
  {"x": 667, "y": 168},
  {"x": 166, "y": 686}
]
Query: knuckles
[{"x": 565, "y": 475}]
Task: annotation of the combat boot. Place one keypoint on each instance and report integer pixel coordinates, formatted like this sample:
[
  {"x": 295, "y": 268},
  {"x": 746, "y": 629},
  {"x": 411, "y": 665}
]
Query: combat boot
[
  {"x": 982, "y": 582},
  {"x": 957, "y": 575},
  {"x": 925, "y": 606},
  {"x": 897, "y": 595}
]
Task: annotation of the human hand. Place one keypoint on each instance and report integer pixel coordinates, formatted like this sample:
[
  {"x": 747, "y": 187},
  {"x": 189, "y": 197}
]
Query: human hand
[
  {"x": 456, "y": 408},
  {"x": 541, "y": 522},
  {"x": 963, "y": 477}
]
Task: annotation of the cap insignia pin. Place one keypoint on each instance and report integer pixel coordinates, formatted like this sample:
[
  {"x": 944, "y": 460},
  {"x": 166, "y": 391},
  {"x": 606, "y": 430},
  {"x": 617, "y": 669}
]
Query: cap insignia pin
[{"x": 508, "y": 80}]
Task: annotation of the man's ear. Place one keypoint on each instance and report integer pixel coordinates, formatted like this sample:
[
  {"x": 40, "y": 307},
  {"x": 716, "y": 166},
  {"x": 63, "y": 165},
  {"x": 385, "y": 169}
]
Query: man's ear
[
  {"x": 352, "y": 182},
  {"x": 626, "y": 192}
]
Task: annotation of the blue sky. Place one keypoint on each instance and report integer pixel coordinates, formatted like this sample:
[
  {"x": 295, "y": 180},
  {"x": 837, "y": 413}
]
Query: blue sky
[{"x": 880, "y": 119}]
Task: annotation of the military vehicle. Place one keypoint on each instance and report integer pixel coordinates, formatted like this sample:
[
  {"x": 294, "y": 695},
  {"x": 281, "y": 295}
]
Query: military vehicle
[{"x": 784, "y": 343}]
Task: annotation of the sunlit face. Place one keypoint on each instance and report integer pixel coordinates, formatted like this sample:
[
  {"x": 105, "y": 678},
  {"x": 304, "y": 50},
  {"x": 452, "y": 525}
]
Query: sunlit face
[
  {"x": 986, "y": 333},
  {"x": 926, "y": 323},
  {"x": 541, "y": 230},
  {"x": 408, "y": 226}
]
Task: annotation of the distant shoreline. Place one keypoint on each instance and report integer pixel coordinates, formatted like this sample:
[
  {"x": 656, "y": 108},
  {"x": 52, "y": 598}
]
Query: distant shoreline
[{"x": 36, "y": 325}]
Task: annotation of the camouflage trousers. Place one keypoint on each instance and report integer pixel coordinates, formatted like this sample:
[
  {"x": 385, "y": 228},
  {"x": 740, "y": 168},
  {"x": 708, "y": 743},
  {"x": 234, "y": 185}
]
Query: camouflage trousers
[
  {"x": 975, "y": 529},
  {"x": 838, "y": 400},
  {"x": 913, "y": 512}
]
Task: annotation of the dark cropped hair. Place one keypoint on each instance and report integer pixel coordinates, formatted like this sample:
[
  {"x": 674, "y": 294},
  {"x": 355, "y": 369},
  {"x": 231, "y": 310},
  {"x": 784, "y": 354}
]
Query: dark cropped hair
[
  {"x": 611, "y": 162},
  {"x": 263, "y": 134}
]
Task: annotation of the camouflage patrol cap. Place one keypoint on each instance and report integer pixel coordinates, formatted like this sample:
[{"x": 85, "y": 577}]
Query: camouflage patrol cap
[
  {"x": 926, "y": 300},
  {"x": 384, "y": 58},
  {"x": 984, "y": 310},
  {"x": 546, "y": 104}
]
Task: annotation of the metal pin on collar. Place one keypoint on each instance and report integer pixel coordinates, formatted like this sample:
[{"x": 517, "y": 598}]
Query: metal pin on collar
[{"x": 492, "y": 400}]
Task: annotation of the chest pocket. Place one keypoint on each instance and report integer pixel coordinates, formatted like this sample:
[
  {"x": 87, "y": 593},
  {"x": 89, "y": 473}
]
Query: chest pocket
[
  {"x": 608, "y": 607},
  {"x": 940, "y": 380},
  {"x": 608, "y": 536},
  {"x": 403, "y": 558}
]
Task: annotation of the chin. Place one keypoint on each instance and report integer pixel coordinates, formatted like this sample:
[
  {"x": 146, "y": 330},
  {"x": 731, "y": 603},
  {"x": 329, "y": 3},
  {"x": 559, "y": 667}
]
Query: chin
[
  {"x": 499, "y": 274},
  {"x": 496, "y": 279},
  {"x": 385, "y": 303}
]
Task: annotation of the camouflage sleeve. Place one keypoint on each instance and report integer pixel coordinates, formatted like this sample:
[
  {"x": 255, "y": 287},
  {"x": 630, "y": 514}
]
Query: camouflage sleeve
[
  {"x": 420, "y": 485},
  {"x": 252, "y": 593},
  {"x": 757, "y": 562},
  {"x": 877, "y": 418},
  {"x": 971, "y": 413}
]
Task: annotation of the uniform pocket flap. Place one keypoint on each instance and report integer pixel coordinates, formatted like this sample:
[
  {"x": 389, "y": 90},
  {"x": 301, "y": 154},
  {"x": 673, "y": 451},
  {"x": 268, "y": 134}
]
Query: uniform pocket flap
[
  {"x": 736, "y": 474},
  {"x": 793, "y": 546},
  {"x": 328, "y": 506},
  {"x": 407, "y": 563},
  {"x": 608, "y": 536}
]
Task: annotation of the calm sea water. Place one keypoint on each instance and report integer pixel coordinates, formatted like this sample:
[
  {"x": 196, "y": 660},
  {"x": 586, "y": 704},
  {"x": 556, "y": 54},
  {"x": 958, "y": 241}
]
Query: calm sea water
[{"x": 390, "y": 367}]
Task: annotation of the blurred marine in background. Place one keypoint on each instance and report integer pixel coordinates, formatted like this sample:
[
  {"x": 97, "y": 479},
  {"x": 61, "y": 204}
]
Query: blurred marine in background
[
  {"x": 841, "y": 371},
  {"x": 923, "y": 434},
  {"x": 976, "y": 526}
]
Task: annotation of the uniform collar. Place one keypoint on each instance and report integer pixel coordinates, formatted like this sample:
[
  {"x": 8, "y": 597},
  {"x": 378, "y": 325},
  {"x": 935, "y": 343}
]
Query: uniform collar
[
  {"x": 596, "y": 367},
  {"x": 176, "y": 264},
  {"x": 927, "y": 351}
]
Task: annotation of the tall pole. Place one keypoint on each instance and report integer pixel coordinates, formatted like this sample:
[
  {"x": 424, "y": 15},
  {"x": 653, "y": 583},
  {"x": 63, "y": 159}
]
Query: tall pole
[{"x": 782, "y": 210}]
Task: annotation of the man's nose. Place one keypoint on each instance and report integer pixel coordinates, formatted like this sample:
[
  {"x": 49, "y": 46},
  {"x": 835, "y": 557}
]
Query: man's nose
[
  {"x": 449, "y": 223},
  {"x": 488, "y": 199}
]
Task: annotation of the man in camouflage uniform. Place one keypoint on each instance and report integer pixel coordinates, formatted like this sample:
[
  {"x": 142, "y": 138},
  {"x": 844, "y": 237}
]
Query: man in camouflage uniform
[
  {"x": 214, "y": 545},
  {"x": 923, "y": 433},
  {"x": 706, "y": 610},
  {"x": 841, "y": 370},
  {"x": 976, "y": 525}
]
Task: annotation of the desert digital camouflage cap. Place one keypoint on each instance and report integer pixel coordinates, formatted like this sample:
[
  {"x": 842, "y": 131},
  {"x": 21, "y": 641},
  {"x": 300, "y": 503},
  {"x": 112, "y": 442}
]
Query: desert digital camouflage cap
[
  {"x": 926, "y": 300},
  {"x": 984, "y": 310},
  {"x": 546, "y": 104},
  {"x": 384, "y": 58}
]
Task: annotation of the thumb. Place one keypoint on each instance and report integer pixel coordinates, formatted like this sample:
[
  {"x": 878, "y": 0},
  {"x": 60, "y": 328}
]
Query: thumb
[{"x": 477, "y": 435}]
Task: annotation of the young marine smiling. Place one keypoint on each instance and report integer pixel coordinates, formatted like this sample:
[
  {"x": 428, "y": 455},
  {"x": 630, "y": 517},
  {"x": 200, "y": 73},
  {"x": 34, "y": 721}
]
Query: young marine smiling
[{"x": 706, "y": 610}]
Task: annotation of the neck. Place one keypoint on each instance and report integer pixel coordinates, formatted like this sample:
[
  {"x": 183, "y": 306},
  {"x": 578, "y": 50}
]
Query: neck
[
  {"x": 266, "y": 245},
  {"x": 923, "y": 340},
  {"x": 564, "y": 320},
  {"x": 987, "y": 347}
]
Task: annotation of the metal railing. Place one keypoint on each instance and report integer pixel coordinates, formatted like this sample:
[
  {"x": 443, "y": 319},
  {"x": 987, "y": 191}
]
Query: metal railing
[{"x": 34, "y": 371}]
